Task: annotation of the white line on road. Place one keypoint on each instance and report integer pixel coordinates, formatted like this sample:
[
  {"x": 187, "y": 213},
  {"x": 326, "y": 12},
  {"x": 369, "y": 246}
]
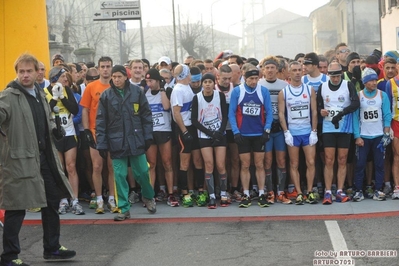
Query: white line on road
[{"x": 337, "y": 239}]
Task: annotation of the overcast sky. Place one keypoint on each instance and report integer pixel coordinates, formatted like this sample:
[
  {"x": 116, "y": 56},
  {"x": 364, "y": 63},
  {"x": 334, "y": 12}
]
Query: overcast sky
[{"x": 227, "y": 15}]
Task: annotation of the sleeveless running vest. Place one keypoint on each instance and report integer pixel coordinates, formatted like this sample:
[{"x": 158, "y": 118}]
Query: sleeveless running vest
[
  {"x": 209, "y": 113},
  {"x": 161, "y": 118},
  {"x": 370, "y": 112}
]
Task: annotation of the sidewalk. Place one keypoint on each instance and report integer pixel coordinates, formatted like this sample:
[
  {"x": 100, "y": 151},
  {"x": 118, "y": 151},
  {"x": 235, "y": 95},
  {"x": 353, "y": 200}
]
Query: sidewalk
[{"x": 366, "y": 208}]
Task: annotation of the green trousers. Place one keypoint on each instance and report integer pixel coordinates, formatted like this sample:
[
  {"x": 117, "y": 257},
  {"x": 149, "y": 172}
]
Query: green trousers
[{"x": 139, "y": 167}]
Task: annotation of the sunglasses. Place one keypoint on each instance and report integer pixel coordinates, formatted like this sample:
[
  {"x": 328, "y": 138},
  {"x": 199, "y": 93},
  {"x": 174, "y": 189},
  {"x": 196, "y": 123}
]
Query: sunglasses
[{"x": 344, "y": 51}]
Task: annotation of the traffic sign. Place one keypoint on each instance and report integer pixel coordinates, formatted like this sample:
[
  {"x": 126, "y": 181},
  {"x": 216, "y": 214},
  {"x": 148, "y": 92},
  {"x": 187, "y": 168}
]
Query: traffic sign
[
  {"x": 115, "y": 14},
  {"x": 121, "y": 26},
  {"x": 120, "y": 4}
]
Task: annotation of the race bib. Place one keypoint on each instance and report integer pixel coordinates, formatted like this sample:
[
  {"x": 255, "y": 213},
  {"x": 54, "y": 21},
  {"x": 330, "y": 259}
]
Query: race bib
[
  {"x": 63, "y": 119},
  {"x": 332, "y": 111},
  {"x": 251, "y": 109},
  {"x": 158, "y": 120},
  {"x": 370, "y": 114},
  {"x": 212, "y": 125},
  {"x": 300, "y": 112}
]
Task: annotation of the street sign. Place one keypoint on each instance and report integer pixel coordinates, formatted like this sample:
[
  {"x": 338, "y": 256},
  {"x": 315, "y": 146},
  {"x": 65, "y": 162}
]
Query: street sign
[
  {"x": 121, "y": 26},
  {"x": 120, "y": 4},
  {"x": 397, "y": 38},
  {"x": 115, "y": 14}
]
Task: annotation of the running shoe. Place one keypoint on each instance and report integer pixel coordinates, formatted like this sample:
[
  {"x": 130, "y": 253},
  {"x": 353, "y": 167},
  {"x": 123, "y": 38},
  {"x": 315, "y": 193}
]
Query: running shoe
[
  {"x": 341, "y": 197},
  {"x": 292, "y": 195},
  {"x": 299, "y": 200},
  {"x": 150, "y": 204},
  {"x": 369, "y": 192},
  {"x": 202, "y": 200},
  {"x": 311, "y": 198},
  {"x": 253, "y": 194},
  {"x": 77, "y": 209},
  {"x": 84, "y": 196},
  {"x": 172, "y": 202},
  {"x": 387, "y": 191},
  {"x": 93, "y": 203},
  {"x": 316, "y": 193},
  {"x": 228, "y": 196},
  {"x": 212, "y": 203},
  {"x": 262, "y": 201},
  {"x": 122, "y": 216},
  {"x": 16, "y": 262},
  {"x": 327, "y": 199},
  {"x": 61, "y": 254},
  {"x": 283, "y": 199},
  {"x": 63, "y": 209},
  {"x": 237, "y": 196},
  {"x": 133, "y": 197},
  {"x": 270, "y": 197},
  {"x": 100, "y": 207},
  {"x": 395, "y": 194},
  {"x": 245, "y": 202},
  {"x": 112, "y": 206},
  {"x": 349, "y": 192},
  {"x": 224, "y": 202},
  {"x": 160, "y": 196},
  {"x": 379, "y": 196},
  {"x": 358, "y": 196},
  {"x": 34, "y": 210},
  {"x": 187, "y": 201}
]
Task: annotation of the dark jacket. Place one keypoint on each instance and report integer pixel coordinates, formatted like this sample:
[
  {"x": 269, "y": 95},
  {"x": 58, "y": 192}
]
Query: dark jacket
[
  {"x": 21, "y": 182},
  {"x": 123, "y": 123}
]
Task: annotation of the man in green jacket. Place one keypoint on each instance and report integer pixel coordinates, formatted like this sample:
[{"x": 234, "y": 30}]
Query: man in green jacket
[{"x": 30, "y": 163}]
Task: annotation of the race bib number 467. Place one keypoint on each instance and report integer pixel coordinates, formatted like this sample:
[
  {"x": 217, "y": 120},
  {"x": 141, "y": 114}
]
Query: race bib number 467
[{"x": 251, "y": 109}]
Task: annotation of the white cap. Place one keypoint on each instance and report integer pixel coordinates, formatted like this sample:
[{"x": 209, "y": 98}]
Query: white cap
[{"x": 164, "y": 59}]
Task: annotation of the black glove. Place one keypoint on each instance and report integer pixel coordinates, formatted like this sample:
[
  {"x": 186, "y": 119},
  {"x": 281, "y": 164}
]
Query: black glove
[
  {"x": 89, "y": 138},
  {"x": 58, "y": 135},
  {"x": 103, "y": 153},
  {"x": 238, "y": 138},
  {"x": 265, "y": 137},
  {"x": 357, "y": 73},
  {"x": 217, "y": 135},
  {"x": 335, "y": 120},
  {"x": 187, "y": 138},
  {"x": 148, "y": 143}
]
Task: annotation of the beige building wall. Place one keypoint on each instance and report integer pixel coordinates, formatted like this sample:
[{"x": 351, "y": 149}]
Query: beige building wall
[
  {"x": 324, "y": 28},
  {"x": 390, "y": 28}
]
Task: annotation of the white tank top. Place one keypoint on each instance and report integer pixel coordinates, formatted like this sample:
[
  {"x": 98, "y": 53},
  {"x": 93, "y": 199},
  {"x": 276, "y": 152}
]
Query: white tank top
[
  {"x": 297, "y": 104},
  {"x": 209, "y": 114},
  {"x": 371, "y": 120},
  {"x": 161, "y": 118}
]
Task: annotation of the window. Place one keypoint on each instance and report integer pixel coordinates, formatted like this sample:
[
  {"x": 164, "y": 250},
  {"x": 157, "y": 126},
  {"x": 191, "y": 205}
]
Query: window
[{"x": 393, "y": 3}]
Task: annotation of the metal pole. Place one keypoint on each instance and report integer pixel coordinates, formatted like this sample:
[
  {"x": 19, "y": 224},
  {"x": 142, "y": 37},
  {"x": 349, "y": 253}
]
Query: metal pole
[
  {"x": 174, "y": 30},
  {"x": 141, "y": 34},
  {"x": 120, "y": 46}
]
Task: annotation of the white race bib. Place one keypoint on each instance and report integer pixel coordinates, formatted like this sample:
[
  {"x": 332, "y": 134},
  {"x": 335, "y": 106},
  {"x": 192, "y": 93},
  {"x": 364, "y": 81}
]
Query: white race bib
[
  {"x": 300, "y": 112},
  {"x": 370, "y": 114},
  {"x": 158, "y": 120},
  {"x": 212, "y": 125},
  {"x": 251, "y": 109},
  {"x": 332, "y": 111},
  {"x": 275, "y": 108}
]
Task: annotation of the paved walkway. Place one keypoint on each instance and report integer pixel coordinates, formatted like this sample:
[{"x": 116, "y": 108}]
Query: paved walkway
[{"x": 349, "y": 210}]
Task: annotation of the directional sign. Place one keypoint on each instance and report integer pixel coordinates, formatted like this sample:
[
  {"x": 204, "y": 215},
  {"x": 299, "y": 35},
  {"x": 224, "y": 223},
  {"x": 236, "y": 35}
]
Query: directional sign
[
  {"x": 115, "y": 14},
  {"x": 120, "y": 4},
  {"x": 121, "y": 26}
]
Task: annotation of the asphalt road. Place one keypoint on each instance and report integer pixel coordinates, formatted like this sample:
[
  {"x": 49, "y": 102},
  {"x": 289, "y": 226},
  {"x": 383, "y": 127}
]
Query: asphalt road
[{"x": 234, "y": 242}]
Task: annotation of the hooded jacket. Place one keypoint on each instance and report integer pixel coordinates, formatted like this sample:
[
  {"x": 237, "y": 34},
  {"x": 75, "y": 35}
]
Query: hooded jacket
[{"x": 21, "y": 182}]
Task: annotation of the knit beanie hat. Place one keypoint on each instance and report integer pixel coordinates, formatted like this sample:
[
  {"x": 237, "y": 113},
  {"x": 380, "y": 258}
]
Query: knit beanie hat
[
  {"x": 368, "y": 74},
  {"x": 352, "y": 56},
  {"x": 119, "y": 68},
  {"x": 208, "y": 76},
  {"x": 394, "y": 54}
]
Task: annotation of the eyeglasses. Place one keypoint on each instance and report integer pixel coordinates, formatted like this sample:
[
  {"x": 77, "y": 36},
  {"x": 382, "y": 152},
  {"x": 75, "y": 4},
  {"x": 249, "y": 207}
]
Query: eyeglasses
[{"x": 344, "y": 51}]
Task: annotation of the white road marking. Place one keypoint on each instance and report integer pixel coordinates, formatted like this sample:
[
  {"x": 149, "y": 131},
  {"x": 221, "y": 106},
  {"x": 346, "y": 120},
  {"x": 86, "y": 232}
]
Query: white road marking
[{"x": 337, "y": 239}]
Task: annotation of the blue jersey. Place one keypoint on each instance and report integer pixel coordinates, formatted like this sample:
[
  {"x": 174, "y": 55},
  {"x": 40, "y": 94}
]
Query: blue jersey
[{"x": 250, "y": 110}]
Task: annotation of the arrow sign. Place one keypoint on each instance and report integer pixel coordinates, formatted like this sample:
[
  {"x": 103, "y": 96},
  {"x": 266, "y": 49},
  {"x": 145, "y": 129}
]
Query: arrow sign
[
  {"x": 120, "y": 4},
  {"x": 115, "y": 14}
]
